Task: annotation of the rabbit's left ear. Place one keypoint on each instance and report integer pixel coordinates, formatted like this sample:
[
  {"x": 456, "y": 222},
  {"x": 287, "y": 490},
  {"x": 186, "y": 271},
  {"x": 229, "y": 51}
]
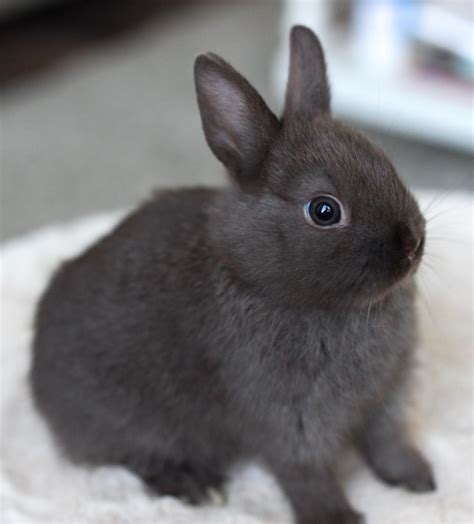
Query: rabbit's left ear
[
  {"x": 307, "y": 92},
  {"x": 237, "y": 123}
]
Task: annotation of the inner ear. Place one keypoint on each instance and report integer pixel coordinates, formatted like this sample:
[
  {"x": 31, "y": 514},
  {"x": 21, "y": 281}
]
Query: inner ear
[
  {"x": 307, "y": 91},
  {"x": 237, "y": 123}
]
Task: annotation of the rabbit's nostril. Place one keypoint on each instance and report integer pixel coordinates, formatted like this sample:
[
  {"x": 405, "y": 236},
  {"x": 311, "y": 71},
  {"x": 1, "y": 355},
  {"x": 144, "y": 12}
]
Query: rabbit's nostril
[
  {"x": 413, "y": 252},
  {"x": 412, "y": 249},
  {"x": 409, "y": 242}
]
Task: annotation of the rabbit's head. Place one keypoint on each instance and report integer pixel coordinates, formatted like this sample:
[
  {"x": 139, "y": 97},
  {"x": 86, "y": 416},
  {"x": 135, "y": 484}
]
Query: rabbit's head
[{"x": 317, "y": 214}]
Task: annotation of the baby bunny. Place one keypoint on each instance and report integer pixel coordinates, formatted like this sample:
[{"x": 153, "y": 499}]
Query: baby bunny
[{"x": 270, "y": 321}]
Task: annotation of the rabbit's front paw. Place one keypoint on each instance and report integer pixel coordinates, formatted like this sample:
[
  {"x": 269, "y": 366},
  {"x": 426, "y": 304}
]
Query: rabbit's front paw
[{"x": 405, "y": 467}]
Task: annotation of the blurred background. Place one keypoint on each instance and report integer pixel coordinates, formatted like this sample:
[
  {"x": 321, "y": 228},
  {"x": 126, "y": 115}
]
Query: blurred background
[{"x": 98, "y": 104}]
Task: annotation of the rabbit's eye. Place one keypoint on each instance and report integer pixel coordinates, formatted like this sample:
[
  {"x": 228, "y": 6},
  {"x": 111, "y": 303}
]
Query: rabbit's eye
[{"x": 323, "y": 211}]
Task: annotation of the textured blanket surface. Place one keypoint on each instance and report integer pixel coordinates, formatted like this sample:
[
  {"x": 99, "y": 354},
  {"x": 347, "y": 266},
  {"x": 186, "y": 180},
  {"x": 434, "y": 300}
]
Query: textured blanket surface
[{"x": 37, "y": 484}]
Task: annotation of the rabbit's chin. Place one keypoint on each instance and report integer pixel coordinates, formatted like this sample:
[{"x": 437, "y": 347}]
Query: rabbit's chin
[
  {"x": 400, "y": 285},
  {"x": 403, "y": 278}
]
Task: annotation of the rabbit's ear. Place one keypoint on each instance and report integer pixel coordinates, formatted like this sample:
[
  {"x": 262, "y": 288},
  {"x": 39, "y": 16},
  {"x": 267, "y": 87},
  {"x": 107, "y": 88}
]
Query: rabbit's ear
[
  {"x": 307, "y": 92},
  {"x": 237, "y": 123}
]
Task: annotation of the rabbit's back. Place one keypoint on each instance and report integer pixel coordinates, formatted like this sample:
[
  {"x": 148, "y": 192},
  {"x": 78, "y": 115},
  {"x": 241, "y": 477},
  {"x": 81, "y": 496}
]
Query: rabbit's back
[{"x": 113, "y": 351}]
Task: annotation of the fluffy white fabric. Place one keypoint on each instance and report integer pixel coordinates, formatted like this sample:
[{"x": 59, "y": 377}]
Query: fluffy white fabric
[{"x": 38, "y": 485}]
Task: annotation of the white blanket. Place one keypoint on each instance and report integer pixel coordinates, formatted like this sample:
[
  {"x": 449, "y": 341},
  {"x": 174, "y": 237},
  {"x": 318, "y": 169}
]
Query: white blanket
[{"x": 38, "y": 485}]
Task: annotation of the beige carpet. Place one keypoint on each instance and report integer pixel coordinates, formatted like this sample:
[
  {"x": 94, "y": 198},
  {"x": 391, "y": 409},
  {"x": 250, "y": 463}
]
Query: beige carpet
[{"x": 38, "y": 485}]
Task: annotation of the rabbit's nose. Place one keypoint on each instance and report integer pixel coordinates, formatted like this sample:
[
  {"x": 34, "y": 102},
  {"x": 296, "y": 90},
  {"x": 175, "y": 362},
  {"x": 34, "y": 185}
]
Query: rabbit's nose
[
  {"x": 409, "y": 241},
  {"x": 411, "y": 252}
]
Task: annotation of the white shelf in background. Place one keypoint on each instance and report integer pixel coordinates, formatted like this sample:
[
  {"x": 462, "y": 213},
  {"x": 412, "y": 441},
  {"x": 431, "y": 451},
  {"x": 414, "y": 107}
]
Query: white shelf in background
[{"x": 434, "y": 110}]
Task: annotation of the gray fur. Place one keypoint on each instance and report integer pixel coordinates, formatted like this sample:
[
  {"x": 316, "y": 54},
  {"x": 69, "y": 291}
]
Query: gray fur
[{"x": 217, "y": 326}]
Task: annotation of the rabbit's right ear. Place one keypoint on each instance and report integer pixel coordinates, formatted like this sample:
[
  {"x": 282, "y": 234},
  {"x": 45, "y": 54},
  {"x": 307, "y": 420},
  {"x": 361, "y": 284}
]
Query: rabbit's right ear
[
  {"x": 307, "y": 92},
  {"x": 237, "y": 123}
]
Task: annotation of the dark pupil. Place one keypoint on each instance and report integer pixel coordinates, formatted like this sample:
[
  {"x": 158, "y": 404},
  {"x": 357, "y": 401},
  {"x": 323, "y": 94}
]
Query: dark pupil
[{"x": 324, "y": 211}]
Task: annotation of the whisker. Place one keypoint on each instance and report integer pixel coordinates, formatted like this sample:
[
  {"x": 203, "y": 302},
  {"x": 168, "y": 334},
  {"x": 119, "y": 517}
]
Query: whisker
[
  {"x": 456, "y": 241},
  {"x": 439, "y": 197},
  {"x": 432, "y": 272},
  {"x": 464, "y": 206},
  {"x": 426, "y": 263},
  {"x": 436, "y": 323},
  {"x": 430, "y": 255}
]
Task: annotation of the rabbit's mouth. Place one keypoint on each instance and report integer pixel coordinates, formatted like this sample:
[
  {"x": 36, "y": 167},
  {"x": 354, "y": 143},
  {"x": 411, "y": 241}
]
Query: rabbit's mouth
[{"x": 377, "y": 279}]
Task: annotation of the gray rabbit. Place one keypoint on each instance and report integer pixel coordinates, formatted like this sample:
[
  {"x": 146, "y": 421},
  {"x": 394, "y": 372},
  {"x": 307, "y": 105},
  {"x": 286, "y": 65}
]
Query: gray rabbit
[{"x": 272, "y": 320}]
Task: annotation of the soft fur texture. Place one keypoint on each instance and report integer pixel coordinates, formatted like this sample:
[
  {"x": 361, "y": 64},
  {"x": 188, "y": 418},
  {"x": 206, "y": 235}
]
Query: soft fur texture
[
  {"x": 38, "y": 484},
  {"x": 219, "y": 326}
]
